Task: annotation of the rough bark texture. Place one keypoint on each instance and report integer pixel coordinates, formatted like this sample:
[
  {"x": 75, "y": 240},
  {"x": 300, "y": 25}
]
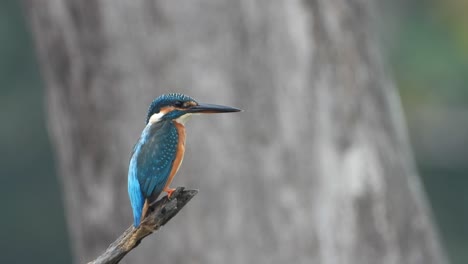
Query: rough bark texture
[
  {"x": 316, "y": 170},
  {"x": 161, "y": 212}
]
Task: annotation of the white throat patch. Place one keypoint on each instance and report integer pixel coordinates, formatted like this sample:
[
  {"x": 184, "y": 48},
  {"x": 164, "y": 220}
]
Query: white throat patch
[
  {"x": 156, "y": 117},
  {"x": 183, "y": 118}
]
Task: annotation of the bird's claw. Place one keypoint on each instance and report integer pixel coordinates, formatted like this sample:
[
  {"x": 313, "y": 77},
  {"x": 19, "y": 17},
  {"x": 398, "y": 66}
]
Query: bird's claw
[{"x": 169, "y": 192}]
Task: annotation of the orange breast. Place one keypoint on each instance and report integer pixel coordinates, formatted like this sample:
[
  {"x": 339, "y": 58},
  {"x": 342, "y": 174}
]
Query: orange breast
[{"x": 180, "y": 153}]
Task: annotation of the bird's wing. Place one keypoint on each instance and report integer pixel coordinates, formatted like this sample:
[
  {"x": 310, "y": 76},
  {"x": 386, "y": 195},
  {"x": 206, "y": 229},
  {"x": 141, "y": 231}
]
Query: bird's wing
[{"x": 156, "y": 157}]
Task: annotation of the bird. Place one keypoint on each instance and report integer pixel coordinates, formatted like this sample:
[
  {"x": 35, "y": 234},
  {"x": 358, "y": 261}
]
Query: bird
[{"x": 159, "y": 152}]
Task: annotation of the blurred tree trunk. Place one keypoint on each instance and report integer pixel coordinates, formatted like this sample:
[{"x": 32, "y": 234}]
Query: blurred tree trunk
[{"x": 316, "y": 170}]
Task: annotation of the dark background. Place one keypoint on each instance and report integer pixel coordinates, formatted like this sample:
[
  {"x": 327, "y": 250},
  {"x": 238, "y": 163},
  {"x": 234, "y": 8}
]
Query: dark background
[{"x": 425, "y": 44}]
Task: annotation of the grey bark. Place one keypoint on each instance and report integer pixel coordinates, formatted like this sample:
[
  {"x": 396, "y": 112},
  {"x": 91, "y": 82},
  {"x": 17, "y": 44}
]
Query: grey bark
[
  {"x": 161, "y": 212},
  {"x": 316, "y": 170}
]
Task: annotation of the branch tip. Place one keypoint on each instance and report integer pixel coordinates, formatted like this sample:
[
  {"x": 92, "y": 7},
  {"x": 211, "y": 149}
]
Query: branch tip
[{"x": 161, "y": 212}]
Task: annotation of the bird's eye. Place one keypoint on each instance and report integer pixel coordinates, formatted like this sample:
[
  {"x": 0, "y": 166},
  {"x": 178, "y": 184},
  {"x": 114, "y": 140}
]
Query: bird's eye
[{"x": 178, "y": 104}]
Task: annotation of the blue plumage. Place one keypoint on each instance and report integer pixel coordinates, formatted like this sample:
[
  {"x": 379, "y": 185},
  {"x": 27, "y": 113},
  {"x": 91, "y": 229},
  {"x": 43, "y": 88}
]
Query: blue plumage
[
  {"x": 155, "y": 160},
  {"x": 151, "y": 164},
  {"x": 175, "y": 99}
]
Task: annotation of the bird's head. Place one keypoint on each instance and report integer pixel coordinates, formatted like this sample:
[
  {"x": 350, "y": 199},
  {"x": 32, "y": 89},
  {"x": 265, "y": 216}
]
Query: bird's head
[{"x": 179, "y": 107}]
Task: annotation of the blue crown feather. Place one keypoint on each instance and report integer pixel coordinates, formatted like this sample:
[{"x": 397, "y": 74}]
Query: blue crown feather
[{"x": 166, "y": 100}]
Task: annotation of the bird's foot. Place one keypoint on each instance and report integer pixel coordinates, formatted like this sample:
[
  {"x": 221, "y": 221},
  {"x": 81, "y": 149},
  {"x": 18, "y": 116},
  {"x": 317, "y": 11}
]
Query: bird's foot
[{"x": 169, "y": 192}]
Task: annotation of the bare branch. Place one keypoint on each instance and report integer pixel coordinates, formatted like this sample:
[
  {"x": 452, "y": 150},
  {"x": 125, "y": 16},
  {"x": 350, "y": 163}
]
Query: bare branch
[{"x": 161, "y": 212}]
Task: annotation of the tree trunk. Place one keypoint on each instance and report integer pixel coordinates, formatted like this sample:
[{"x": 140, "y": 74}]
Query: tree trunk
[{"x": 317, "y": 169}]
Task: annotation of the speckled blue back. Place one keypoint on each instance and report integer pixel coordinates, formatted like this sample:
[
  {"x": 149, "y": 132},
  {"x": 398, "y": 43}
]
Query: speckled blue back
[
  {"x": 151, "y": 163},
  {"x": 155, "y": 158}
]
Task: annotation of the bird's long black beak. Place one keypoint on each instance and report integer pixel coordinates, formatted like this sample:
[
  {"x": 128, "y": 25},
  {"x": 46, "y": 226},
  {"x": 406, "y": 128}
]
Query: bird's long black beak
[{"x": 212, "y": 109}]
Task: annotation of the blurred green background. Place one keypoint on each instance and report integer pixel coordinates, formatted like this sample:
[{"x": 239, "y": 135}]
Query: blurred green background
[{"x": 426, "y": 47}]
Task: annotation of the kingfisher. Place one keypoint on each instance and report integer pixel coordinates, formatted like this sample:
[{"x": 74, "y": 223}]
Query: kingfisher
[{"x": 159, "y": 152}]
